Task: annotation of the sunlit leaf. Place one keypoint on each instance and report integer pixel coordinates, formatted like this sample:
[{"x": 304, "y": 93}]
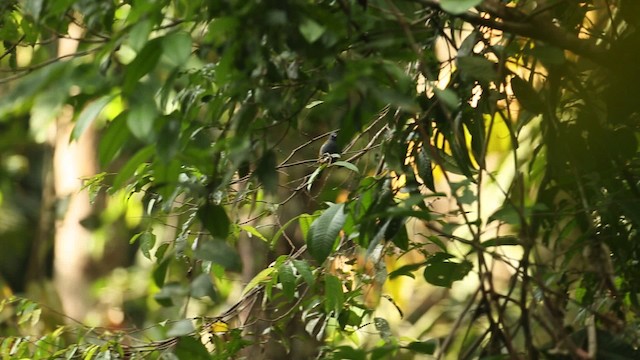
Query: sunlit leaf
[
  {"x": 311, "y": 30},
  {"x": 263, "y": 276}
]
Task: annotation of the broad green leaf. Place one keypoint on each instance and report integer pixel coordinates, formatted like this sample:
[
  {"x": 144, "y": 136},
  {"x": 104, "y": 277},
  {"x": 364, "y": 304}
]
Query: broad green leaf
[
  {"x": 324, "y": 232},
  {"x": 147, "y": 242},
  {"x": 188, "y": 347},
  {"x": 425, "y": 170},
  {"x": 304, "y": 270},
  {"x": 252, "y": 231},
  {"x": 448, "y": 97},
  {"x": 477, "y": 68},
  {"x": 214, "y": 218},
  {"x": 457, "y": 7},
  {"x": 346, "y": 165},
  {"x": 113, "y": 139},
  {"x": 316, "y": 173},
  {"x": 287, "y": 279},
  {"x": 142, "y": 64},
  {"x": 282, "y": 229},
  {"x": 219, "y": 252},
  {"x": 177, "y": 48},
  {"x": 267, "y": 173},
  {"x": 160, "y": 251},
  {"x": 88, "y": 114},
  {"x": 440, "y": 270},
  {"x": 549, "y": 55},
  {"x": 202, "y": 286},
  {"x": 501, "y": 241},
  {"x": 333, "y": 295},
  {"x": 423, "y": 347},
  {"x": 506, "y": 214},
  {"x": 305, "y": 221},
  {"x": 311, "y": 30},
  {"x": 405, "y": 270},
  {"x": 526, "y": 95},
  {"x": 168, "y": 143},
  {"x": 160, "y": 272},
  {"x": 262, "y": 277},
  {"x": 347, "y": 352},
  {"x": 141, "y": 117},
  {"x": 181, "y": 328}
]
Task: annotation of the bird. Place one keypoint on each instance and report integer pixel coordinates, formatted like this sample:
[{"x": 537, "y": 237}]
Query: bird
[{"x": 329, "y": 149}]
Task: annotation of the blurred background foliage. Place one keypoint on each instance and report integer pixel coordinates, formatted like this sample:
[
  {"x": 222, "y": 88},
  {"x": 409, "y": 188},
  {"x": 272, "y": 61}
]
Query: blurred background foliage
[{"x": 162, "y": 195}]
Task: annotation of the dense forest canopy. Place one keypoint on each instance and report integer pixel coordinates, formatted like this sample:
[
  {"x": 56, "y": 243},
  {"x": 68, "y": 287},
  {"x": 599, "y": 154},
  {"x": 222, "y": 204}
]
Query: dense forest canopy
[{"x": 165, "y": 191}]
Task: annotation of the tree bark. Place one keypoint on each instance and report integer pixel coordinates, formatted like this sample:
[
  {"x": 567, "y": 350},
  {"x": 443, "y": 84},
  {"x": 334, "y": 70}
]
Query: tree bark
[{"x": 72, "y": 242}]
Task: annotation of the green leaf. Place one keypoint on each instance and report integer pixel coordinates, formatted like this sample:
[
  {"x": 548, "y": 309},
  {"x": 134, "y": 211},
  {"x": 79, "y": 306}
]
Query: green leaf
[
  {"x": 304, "y": 270},
  {"x": 316, "y": 173},
  {"x": 88, "y": 114},
  {"x": 177, "y": 48},
  {"x": 423, "y": 347},
  {"x": 305, "y": 221},
  {"x": 501, "y": 241},
  {"x": 526, "y": 95},
  {"x": 287, "y": 279},
  {"x": 425, "y": 170},
  {"x": 448, "y": 97},
  {"x": 160, "y": 272},
  {"x": 202, "y": 286},
  {"x": 252, "y": 231},
  {"x": 267, "y": 173},
  {"x": 263, "y": 276},
  {"x": 113, "y": 139},
  {"x": 440, "y": 270},
  {"x": 311, "y": 30},
  {"x": 188, "y": 347},
  {"x": 347, "y": 165},
  {"x": 168, "y": 142},
  {"x": 181, "y": 328},
  {"x": 282, "y": 229},
  {"x": 142, "y": 64},
  {"x": 477, "y": 68},
  {"x": 219, "y": 252},
  {"x": 324, "y": 232},
  {"x": 506, "y": 214},
  {"x": 142, "y": 115},
  {"x": 214, "y": 218},
  {"x": 405, "y": 270},
  {"x": 457, "y": 7},
  {"x": 147, "y": 242},
  {"x": 334, "y": 297}
]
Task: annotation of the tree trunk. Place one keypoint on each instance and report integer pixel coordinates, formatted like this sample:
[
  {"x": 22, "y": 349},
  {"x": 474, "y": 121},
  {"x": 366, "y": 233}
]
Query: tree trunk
[{"x": 72, "y": 244}]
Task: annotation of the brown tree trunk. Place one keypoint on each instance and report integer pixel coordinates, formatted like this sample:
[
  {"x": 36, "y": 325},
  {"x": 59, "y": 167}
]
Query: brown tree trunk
[{"x": 72, "y": 242}]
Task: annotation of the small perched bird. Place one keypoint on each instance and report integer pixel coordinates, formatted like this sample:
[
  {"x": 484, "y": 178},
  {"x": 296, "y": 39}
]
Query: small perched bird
[{"x": 329, "y": 149}]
